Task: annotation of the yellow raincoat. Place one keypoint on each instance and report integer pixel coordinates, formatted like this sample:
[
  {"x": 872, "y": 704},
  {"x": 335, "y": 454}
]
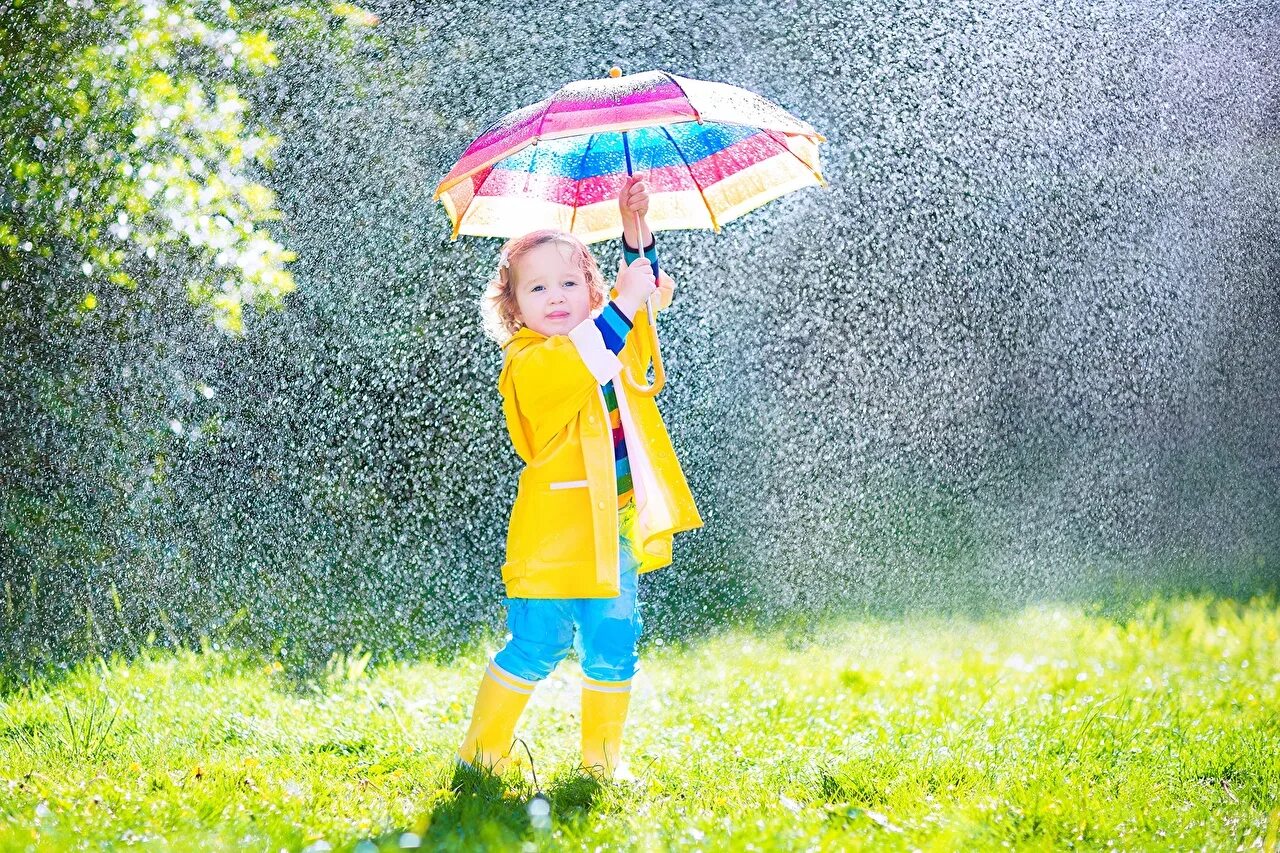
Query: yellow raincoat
[{"x": 562, "y": 540}]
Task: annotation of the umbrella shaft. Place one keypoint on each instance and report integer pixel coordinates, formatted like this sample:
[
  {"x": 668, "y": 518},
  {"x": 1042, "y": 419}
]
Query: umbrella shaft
[{"x": 626, "y": 152}]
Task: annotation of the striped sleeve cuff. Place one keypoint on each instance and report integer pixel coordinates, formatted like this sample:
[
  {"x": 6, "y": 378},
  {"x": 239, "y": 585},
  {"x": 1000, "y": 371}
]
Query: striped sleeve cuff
[
  {"x": 650, "y": 251},
  {"x": 614, "y": 326},
  {"x": 589, "y": 340}
]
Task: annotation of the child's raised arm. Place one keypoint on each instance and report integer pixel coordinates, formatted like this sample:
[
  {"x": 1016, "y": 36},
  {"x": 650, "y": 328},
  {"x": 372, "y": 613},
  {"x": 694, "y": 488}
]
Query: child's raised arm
[
  {"x": 633, "y": 207},
  {"x": 666, "y": 285}
]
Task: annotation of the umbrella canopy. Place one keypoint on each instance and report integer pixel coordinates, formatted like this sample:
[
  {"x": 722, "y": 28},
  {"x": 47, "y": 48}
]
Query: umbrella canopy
[{"x": 711, "y": 152}]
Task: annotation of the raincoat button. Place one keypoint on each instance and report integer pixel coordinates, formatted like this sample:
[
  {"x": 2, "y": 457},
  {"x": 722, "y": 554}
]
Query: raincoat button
[
  {"x": 591, "y": 419},
  {"x": 600, "y": 504}
]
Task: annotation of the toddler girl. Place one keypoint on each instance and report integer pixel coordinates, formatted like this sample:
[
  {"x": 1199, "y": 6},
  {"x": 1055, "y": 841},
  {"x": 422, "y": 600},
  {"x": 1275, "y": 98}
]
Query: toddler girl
[{"x": 601, "y": 494}]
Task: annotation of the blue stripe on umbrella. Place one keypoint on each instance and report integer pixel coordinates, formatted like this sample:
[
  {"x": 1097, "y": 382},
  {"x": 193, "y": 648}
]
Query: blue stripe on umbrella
[{"x": 651, "y": 148}]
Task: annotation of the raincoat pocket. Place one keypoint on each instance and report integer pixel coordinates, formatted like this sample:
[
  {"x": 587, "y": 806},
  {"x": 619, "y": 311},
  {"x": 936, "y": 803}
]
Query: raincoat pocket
[{"x": 563, "y": 518}]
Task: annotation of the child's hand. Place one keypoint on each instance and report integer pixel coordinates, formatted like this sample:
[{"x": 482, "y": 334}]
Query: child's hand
[
  {"x": 633, "y": 200},
  {"x": 635, "y": 284}
]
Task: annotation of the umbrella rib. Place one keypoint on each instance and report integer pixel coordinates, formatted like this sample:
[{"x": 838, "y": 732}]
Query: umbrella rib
[
  {"x": 528, "y": 173},
  {"x": 442, "y": 188},
  {"x": 542, "y": 120},
  {"x": 688, "y": 168},
  {"x": 463, "y": 214},
  {"x": 533, "y": 158},
  {"x": 577, "y": 182},
  {"x": 697, "y": 115},
  {"x": 787, "y": 148}
]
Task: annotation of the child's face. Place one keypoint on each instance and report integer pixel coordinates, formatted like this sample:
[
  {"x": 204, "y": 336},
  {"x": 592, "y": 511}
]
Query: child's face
[{"x": 552, "y": 295}]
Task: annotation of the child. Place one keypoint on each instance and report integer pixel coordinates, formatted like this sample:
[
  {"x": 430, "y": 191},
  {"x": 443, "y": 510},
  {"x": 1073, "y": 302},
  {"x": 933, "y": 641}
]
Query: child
[{"x": 601, "y": 494}]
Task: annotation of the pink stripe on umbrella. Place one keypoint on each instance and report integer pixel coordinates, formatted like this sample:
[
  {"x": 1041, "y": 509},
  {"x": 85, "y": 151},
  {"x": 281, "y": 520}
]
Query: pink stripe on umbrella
[{"x": 562, "y": 114}]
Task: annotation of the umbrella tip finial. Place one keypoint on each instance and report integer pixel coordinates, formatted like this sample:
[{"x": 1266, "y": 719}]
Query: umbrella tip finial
[{"x": 615, "y": 71}]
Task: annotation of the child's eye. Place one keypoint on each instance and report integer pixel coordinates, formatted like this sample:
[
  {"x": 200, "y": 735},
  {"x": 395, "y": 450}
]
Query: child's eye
[{"x": 570, "y": 282}]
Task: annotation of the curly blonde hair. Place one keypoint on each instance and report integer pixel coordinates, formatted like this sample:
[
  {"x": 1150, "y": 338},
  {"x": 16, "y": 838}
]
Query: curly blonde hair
[{"x": 498, "y": 307}]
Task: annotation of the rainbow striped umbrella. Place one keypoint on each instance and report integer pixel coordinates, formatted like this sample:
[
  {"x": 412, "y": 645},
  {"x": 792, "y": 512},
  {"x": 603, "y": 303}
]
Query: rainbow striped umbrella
[{"x": 711, "y": 153}]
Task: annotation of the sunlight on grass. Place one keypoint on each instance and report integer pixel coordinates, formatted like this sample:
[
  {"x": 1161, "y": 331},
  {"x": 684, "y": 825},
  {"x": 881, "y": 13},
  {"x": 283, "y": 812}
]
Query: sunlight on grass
[{"x": 1045, "y": 729}]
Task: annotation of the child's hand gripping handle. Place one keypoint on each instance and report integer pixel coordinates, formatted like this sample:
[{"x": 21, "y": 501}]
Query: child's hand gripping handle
[{"x": 637, "y": 284}]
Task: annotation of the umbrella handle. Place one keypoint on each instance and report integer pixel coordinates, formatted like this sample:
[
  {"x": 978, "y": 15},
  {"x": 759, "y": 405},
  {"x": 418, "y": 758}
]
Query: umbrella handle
[
  {"x": 651, "y": 328},
  {"x": 659, "y": 374}
]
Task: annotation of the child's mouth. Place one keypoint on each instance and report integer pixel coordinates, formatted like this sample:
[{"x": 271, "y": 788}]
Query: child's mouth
[{"x": 558, "y": 315}]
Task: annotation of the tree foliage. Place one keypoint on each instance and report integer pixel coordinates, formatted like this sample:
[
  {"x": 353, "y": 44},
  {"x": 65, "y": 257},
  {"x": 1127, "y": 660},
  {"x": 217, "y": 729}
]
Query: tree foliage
[
  {"x": 129, "y": 149},
  {"x": 134, "y": 214}
]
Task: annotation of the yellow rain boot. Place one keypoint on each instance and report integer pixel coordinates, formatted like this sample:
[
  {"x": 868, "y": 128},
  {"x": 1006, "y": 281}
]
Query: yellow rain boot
[
  {"x": 501, "y": 699},
  {"x": 604, "y": 710}
]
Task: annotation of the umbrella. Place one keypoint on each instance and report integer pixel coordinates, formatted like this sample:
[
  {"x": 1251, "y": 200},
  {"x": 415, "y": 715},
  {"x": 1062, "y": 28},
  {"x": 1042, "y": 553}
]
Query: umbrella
[{"x": 712, "y": 152}]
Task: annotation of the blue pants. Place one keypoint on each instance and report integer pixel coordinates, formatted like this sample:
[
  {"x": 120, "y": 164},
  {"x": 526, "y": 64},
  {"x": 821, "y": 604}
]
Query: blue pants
[{"x": 607, "y": 629}]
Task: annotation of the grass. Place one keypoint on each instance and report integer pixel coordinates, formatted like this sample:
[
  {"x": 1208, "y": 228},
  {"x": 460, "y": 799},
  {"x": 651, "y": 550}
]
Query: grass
[{"x": 1044, "y": 729}]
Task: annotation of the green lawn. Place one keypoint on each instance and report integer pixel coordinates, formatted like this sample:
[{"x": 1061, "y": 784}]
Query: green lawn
[{"x": 1044, "y": 729}]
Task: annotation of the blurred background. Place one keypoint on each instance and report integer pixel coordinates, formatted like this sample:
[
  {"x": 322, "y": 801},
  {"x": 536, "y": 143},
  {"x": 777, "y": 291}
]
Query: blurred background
[{"x": 1024, "y": 346}]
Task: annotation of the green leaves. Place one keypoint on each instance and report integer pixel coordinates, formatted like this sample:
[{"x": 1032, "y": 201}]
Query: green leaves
[{"x": 130, "y": 145}]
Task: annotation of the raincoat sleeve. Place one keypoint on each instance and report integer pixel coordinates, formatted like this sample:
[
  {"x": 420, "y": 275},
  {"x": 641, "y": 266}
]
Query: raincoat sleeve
[{"x": 545, "y": 384}]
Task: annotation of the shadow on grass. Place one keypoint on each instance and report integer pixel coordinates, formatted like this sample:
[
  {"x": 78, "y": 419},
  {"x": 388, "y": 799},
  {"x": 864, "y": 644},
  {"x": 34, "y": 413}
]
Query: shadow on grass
[
  {"x": 484, "y": 812},
  {"x": 501, "y": 812},
  {"x": 574, "y": 796}
]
